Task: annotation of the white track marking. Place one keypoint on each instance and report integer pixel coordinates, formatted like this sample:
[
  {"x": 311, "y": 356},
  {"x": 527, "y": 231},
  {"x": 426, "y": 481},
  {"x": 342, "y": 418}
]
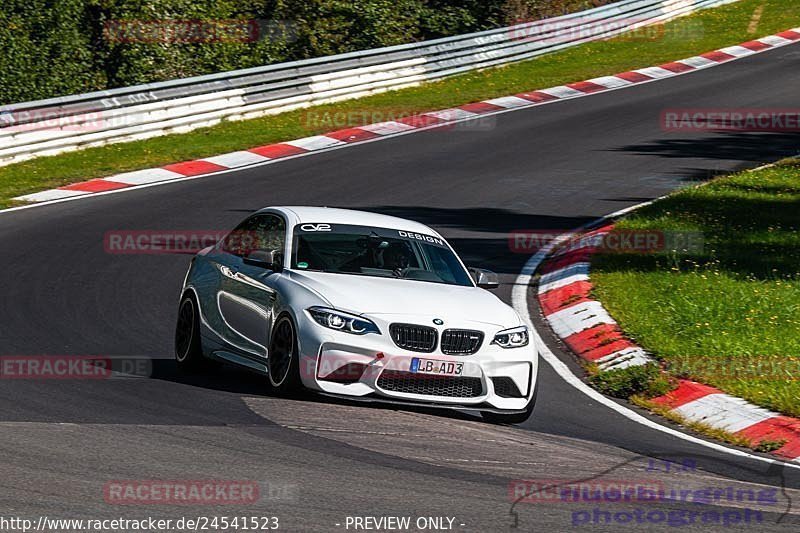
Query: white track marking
[
  {"x": 236, "y": 159},
  {"x": 562, "y": 91},
  {"x": 387, "y": 128},
  {"x": 564, "y": 276},
  {"x": 656, "y": 72},
  {"x": 610, "y": 82},
  {"x": 697, "y": 62},
  {"x": 578, "y": 317},
  {"x": 315, "y": 142},
  {"x": 509, "y": 102},
  {"x": 146, "y": 176},
  {"x": 50, "y": 195},
  {"x": 723, "y": 411},
  {"x": 737, "y": 51},
  {"x": 451, "y": 114}
]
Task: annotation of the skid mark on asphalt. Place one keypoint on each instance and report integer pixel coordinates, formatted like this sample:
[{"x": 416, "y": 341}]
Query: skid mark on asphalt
[{"x": 478, "y": 447}]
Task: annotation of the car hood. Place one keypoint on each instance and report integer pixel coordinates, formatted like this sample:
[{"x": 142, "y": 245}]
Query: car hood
[{"x": 387, "y": 296}]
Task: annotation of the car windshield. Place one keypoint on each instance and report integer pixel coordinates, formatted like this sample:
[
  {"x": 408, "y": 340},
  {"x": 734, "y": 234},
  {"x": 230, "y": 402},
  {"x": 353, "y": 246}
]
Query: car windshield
[{"x": 380, "y": 252}]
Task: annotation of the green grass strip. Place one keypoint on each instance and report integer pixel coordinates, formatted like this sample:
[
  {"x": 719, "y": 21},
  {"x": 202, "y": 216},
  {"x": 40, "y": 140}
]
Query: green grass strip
[{"x": 728, "y": 316}]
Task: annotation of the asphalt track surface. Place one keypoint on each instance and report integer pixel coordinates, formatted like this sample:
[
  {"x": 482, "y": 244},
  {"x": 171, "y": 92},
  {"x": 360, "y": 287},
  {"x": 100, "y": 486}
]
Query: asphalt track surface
[{"x": 552, "y": 167}]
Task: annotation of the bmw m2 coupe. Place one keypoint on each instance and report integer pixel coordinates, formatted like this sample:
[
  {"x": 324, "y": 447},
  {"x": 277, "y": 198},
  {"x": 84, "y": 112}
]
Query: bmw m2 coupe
[{"x": 357, "y": 304}]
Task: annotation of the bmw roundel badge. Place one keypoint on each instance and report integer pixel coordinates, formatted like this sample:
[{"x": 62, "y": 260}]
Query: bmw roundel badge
[{"x": 438, "y": 321}]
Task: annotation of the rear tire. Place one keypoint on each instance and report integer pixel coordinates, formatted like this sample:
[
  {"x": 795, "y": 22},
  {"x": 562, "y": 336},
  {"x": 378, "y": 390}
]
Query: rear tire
[
  {"x": 283, "y": 360},
  {"x": 512, "y": 418},
  {"x": 188, "y": 349}
]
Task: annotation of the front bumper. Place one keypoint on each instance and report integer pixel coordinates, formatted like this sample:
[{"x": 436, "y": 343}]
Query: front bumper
[{"x": 372, "y": 367}]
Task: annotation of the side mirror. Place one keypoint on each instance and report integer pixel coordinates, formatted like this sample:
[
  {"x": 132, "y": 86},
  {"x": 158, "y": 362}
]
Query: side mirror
[
  {"x": 269, "y": 259},
  {"x": 485, "y": 279}
]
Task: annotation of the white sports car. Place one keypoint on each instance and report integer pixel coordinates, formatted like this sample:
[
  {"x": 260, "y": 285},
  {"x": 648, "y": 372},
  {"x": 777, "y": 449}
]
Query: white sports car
[{"x": 357, "y": 304}]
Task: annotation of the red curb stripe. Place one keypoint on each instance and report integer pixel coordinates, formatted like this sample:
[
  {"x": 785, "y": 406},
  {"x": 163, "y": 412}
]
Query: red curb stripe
[
  {"x": 420, "y": 121},
  {"x": 536, "y": 96},
  {"x": 587, "y": 87},
  {"x": 193, "y": 168},
  {"x": 352, "y": 135},
  {"x": 601, "y": 229},
  {"x": 480, "y": 107},
  {"x": 719, "y": 57},
  {"x": 687, "y": 391},
  {"x": 789, "y": 34},
  {"x": 593, "y": 343},
  {"x": 633, "y": 77},
  {"x": 676, "y": 67},
  {"x": 756, "y": 46},
  {"x": 275, "y": 151},
  {"x": 577, "y": 256},
  {"x": 777, "y": 428},
  {"x": 95, "y": 185},
  {"x": 568, "y": 295}
]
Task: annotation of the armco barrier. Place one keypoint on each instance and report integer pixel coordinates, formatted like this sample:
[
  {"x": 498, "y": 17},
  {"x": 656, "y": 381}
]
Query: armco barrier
[{"x": 48, "y": 127}]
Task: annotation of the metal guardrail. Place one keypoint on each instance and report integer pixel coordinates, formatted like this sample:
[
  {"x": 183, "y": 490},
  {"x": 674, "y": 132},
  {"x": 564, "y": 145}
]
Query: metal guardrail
[{"x": 47, "y": 127}]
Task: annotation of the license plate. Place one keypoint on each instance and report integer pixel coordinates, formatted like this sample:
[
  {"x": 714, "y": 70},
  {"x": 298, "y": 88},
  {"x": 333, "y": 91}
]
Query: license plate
[{"x": 437, "y": 367}]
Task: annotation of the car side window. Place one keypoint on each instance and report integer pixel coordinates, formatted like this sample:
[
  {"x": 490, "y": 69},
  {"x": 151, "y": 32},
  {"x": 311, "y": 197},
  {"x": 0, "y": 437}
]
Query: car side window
[{"x": 259, "y": 232}]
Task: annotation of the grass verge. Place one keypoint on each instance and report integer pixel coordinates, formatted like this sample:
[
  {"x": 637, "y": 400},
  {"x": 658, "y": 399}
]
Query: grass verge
[
  {"x": 707, "y": 30},
  {"x": 729, "y": 315}
]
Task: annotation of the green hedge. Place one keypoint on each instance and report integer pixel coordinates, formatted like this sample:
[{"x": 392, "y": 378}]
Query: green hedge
[{"x": 56, "y": 47}]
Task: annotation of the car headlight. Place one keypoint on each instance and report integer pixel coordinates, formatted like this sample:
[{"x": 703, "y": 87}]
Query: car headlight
[
  {"x": 512, "y": 338},
  {"x": 341, "y": 321}
]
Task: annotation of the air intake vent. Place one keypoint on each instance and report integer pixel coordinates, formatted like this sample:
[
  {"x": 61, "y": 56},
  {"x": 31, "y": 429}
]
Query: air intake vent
[
  {"x": 461, "y": 341},
  {"x": 505, "y": 387},
  {"x": 429, "y": 385}
]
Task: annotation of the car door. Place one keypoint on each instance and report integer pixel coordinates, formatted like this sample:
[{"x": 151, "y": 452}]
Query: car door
[{"x": 247, "y": 293}]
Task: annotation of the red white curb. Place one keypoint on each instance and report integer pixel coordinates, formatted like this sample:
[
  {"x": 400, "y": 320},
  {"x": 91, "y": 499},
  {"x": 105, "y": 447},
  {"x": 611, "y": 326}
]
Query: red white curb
[
  {"x": 581, "y": 322},
  {"x": 591, "y": 333},
  {"x": 444, "y": 117}
]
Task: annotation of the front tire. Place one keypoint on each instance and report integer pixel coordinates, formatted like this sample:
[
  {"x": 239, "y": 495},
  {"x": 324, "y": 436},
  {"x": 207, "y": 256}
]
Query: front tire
[
  {"x": 283, "y": 360},
  {"x": 188, "y": 349}
]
